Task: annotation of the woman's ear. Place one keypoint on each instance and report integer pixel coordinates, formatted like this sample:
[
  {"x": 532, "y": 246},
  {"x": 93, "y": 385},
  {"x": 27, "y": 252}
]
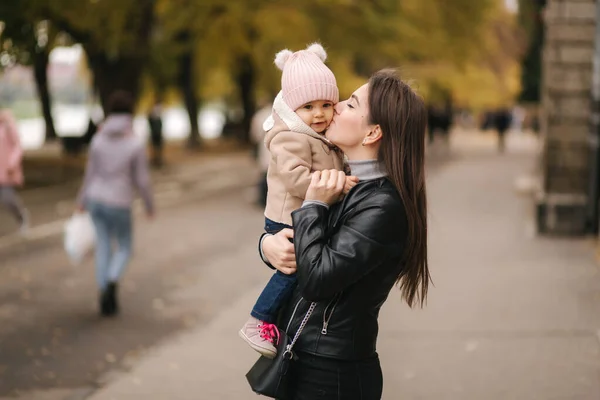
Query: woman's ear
[{"x": 373, "y": 136}]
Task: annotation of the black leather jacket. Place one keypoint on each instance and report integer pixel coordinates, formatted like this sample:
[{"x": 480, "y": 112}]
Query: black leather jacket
[{"x": 349, "y": 258}]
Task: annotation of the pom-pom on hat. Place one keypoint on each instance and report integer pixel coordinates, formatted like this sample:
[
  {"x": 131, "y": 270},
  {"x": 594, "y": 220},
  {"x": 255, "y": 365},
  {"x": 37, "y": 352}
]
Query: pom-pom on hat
[{"x": 305, "y": 76}]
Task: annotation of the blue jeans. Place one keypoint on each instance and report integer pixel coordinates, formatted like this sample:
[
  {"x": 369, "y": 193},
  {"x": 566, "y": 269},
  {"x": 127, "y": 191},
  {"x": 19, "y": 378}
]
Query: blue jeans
[
  {"x": 279, "y": 288},
  {"x": 112, "y": 224},
  {"x": 10, "y": 199}
]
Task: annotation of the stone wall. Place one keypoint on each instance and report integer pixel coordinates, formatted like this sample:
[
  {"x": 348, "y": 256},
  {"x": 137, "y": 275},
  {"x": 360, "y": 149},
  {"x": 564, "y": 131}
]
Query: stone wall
[{"x": 565, "y": 116}]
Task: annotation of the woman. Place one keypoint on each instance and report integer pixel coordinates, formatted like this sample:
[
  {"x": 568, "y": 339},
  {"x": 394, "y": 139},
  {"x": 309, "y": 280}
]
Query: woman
[
  {"x": 117, "y": 166},
  {"x": 350, "y": 254},
  {"x": 11, "y": 173}
]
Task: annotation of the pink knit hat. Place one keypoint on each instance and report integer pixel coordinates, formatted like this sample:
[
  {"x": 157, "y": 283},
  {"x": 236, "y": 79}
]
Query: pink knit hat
[{"x": 305, "y": 77}]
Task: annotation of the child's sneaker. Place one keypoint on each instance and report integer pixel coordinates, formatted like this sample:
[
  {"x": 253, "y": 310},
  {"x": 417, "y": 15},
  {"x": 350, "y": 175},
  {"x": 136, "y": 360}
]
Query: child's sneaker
[{"x": 261, "y": 336}]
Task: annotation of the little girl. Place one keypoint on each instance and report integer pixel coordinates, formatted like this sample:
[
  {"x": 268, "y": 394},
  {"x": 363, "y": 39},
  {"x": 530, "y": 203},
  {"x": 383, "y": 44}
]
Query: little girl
[{"x": 295, "y": 136}]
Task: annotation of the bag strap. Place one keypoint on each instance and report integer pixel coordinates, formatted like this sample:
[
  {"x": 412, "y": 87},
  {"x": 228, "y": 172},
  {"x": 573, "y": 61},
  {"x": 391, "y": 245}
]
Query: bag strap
[{"x": 289, "y": 347}]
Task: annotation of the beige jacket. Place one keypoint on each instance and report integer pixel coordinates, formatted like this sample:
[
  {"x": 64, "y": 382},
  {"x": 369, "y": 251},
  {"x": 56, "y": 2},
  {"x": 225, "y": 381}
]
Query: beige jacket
[{"x": 296, "y": 152}]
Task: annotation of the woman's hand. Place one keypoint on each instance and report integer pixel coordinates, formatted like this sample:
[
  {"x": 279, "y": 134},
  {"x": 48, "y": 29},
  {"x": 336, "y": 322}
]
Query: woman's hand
[
  {"x": 326, "y": 186},
  {"x": 279, "y": 251}
]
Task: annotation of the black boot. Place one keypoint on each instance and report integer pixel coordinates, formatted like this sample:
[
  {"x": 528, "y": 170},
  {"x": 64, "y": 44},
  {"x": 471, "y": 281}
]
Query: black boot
[{"x": 108, "y": 300}]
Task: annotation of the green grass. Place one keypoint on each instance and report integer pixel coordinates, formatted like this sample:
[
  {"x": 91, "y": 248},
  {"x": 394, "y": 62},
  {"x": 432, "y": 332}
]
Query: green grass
[{"x": 24, "y": 109}]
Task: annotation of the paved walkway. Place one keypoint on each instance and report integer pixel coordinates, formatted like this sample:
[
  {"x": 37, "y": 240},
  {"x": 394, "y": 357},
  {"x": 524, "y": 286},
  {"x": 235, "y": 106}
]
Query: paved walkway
[
  {"x": 51, "y": 206},
  {"x": 511, "y": 316}
]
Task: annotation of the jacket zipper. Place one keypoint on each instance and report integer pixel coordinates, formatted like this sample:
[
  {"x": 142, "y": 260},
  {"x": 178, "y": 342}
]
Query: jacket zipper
[{"x": 326, "y": 318}]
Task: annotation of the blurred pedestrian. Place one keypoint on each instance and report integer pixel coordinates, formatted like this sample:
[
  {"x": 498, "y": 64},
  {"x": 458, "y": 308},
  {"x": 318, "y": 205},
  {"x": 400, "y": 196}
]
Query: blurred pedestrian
[
  {"x": 117, "y": 166},
  {"x": 262, "y": 155},
  {"x": 11, "y": 171},
  {"x": 156, "y": 134},
  {"x": 518, "y": 118},
  {"x": 502, "y": 122},
  {"x": 439, "y": 118}
]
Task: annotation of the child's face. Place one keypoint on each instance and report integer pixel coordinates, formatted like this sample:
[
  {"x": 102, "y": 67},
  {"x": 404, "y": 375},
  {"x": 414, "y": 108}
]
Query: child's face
[{"x": 317, "y": 114}]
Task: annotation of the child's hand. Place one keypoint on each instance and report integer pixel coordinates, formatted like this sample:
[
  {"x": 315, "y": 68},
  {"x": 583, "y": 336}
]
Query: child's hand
[
  {"x": 351, "y": 181},
  {"x": 326, "y": 186}
]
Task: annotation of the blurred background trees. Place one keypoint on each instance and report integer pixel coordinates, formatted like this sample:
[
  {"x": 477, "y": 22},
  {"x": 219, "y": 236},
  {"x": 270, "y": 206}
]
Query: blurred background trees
[{"x": 198, "y": 51}]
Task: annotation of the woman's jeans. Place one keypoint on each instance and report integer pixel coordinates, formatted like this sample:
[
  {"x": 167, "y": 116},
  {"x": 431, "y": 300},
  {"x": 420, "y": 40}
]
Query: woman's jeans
[
  {"x": 279, "y": 288},
  {"x": 113, "y": 224},
  {"x": 10, "y": 200},
  {"x": 321, "y": 378}
]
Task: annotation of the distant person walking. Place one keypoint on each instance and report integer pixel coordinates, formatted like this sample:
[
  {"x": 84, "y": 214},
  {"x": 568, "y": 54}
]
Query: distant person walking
[
  {"x": 11, "y": 172},
  {"x": 156, "y": 134},
  {"x": 502, "y": 122},
  {"x": 117, "y": 166}
]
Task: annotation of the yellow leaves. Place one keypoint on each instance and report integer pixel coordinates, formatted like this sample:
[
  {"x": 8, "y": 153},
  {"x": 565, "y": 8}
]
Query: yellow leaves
[
  {"x": 258, "y": 30},
  {"x": 282, "y": 26},
  {"x": 468, "y": 48},
  {"x": 347, "y": 79},
  {"x": 217, "y": 83},
  {"x": 474, "y": 86},
  {"x": 471, "y": 51}
]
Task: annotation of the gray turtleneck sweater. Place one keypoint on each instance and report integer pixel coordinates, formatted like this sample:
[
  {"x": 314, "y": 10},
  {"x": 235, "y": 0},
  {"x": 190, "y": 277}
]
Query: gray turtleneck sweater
[{"x": 367, "y": 170}]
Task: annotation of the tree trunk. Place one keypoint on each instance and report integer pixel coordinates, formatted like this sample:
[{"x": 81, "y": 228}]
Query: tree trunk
[
  {"x": 187, "y": 85},
  {"x": 40, "y": 68},
  {"x": 123, "y": 70},
  {"x": 188, "y": 90},
  {"x": 110, "y": 75},
  {"x": 246, "y": 81}
]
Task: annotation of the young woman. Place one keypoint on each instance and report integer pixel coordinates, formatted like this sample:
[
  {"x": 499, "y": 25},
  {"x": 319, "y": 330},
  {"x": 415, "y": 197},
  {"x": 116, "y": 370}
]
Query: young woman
[
  {"x": 349, "y": 255},
  {"x": 117, "y": 167}
]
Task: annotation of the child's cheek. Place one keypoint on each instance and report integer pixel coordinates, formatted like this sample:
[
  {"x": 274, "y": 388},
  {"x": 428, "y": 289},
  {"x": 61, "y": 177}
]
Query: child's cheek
[{"x": 329, "y": 115}]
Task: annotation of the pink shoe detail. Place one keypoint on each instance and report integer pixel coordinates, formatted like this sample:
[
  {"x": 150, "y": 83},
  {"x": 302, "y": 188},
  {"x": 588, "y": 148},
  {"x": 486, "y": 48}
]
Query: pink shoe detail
[
  {"x": 269, "y": 332},
  {"x": 260, "y": 336}
]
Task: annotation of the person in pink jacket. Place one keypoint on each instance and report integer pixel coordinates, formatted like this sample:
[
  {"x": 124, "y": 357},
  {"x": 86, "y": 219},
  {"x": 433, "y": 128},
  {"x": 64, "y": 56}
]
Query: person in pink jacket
[{"x": 11, "y": 172}]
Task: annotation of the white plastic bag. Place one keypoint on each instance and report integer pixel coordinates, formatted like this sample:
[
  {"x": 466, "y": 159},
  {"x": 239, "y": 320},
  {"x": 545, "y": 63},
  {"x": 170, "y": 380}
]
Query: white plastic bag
[{"x": 79, "y": 237}]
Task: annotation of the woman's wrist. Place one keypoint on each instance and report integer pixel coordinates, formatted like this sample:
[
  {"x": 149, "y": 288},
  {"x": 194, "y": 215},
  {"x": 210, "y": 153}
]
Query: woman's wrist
[{"x": 260, "y": 249}]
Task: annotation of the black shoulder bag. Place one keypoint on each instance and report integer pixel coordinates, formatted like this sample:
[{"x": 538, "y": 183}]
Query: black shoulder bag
[{"x": 269, "y": 377}]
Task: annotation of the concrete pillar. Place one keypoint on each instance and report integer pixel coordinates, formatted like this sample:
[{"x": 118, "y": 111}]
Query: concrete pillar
[{"x": 565, "y": 115}]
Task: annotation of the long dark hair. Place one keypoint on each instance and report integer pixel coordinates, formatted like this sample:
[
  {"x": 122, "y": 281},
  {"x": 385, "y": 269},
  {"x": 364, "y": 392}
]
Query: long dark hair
[{"x": 402, "y": 117}]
